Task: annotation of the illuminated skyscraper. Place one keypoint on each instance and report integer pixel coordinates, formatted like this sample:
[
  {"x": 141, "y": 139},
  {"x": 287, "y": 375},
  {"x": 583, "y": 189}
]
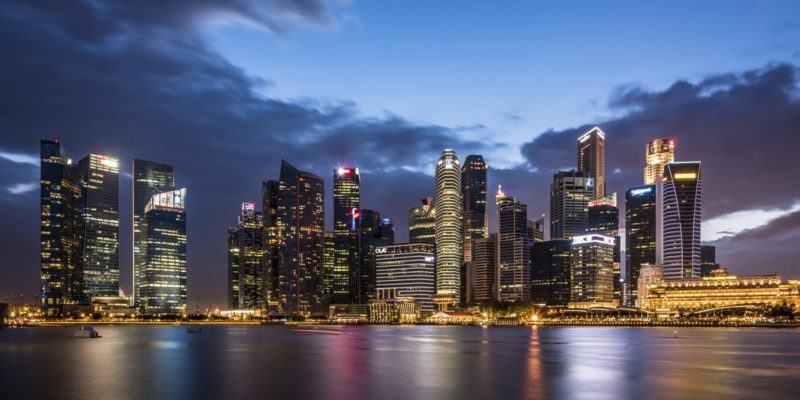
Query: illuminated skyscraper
[
  {"x": 270, "y": 191},
  {"x": 410, "y": 269},
  {"x": 592, "y": 159},
  {"x": 149, "y": 178},
  {"x": 346, "y": 228},
  {"x": 374, "y": 232},
  {"x": 247, "y": 261},
  {"x": 592, "y": 269},
  {"x": 101, "y": 225},
  {"x": 300, "y": 221},
  {"x": 640, "y": 230},
  {"x": 550, "y": 272},
  {"x": 449, "y": 227},
  {"x": 484, "y": 264},
  {"x": 61, "y": 230},
  {"x": 603, "y": 216},
  {"x": 513, "y": 249},
  {"x": 658, "y": 153},
  {"x": 328, "y": 262},
  {"x": 422, "y": 222},
  {"x": 681, "y": 204},
  {"x": 162, "y": 277},
  {"x": 473, "y": 188},
  {"x": 570, "y": 193}
]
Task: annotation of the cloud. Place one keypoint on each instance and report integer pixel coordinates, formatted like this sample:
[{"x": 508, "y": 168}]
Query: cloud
[
  {"x": 20, "y": 158},
  {"x": 740, "y": 221},
  {"x": 20, "y": 188}
]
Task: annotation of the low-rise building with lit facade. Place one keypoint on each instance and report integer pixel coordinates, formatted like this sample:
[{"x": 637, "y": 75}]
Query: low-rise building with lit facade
[
  {"x": 408, "y": 268},
  {"x": 721, "y": 290}
]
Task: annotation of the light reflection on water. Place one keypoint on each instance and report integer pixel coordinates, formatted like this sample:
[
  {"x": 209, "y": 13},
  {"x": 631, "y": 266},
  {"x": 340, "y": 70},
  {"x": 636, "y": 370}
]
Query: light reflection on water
[{"x": 403, "y": 362}]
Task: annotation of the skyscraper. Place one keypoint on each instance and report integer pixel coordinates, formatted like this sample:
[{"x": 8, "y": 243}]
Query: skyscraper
[
  {"x": 592, "y": 269},
  {"x": 681, "y": 219},
  {"x": 62, "y": 230},
  {"x": 410, "y": 269},
  {"x": 536, "y": 230},
  {"x": 708, "y": 260},
  {"x": 550, "y": 272},
  {"x": 658, "y": 153},
  {"x": 422, "y": 222},
  {"x": 247, "y": 261},
  {"x": 473, "y": 188},
  {"x": 149, "y": 178},
  {"x": 484, "y": 264},
  {"x": 640, "y": 230},
  {"x": 449, "y": 227},
  {"x": 603, "y": 216},
  {"x": 162, "y": 277},
  {"x": 329, "y": 265},
  {"x": 270, "y": 191},
  {"x": 374, "y": 232},
  {"x": 513, "y": 249},
  {"x": 300, "y": 220},
  {"x": 592, "y": 159},
  {"x": 101, "y": 225},
  {"x": 346, "y": 227},
  {"x": 570, "y": 193}
]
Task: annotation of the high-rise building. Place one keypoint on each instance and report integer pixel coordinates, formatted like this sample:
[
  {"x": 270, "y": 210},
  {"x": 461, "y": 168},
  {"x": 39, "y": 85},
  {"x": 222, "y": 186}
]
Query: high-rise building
[
  {"x": 329, "y": 264},
  {"x": 247, "y": 261},
  {"x": 640, "y": 231},
  {"x": 300, "y": 220},
  {"x": 101, "y": 225},
  {"x": 149, "y": 178},
  {"x": 681, "y": 203},
  {"x": 658, "y": 153},
  {"x": 346, "y": 228},
  {"x": 603, "y": 216},
  {"x": 473, "y": 189},
  {"x": 592, "y": 273},
  {"x": 422, "y": 222},
  {"x": 649, "y": 275},
  {"x": 162, "y": 277},
  {"x": 62, "y": 229},
  {"x": 270, "y": 191},
  {"x": 449, "y": 228},
  {"x": 550, "y": 272},
  {"x": 375, "y": 232},
  {"x": 410, "y": 269},
  {"x": 708, "y": 260},
  {"x": 513, "y": 249},
  {"x": 570, "y": 193},
  {"x": 592, "y": 159},
  {"x": 484, "y": 265},
  {"x": 536, "y": 230}
]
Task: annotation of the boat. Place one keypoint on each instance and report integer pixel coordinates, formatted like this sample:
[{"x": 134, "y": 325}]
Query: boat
[
  {"x": 194, "y": 329},
  {"x": 86, "y": 332}
]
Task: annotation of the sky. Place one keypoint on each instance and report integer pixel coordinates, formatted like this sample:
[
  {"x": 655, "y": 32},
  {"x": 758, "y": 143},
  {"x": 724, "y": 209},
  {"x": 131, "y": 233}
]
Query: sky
[{"x": 223, "y": 90}]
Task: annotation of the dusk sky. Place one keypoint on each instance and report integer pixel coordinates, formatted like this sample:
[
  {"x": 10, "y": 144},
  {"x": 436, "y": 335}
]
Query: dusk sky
[{"x": 223, "y": 90}]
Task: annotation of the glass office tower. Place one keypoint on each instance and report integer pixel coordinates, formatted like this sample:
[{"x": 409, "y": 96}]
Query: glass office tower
[
  {"x": 422, "y": 222},
  {"x": 346, "y": 227},
  {"x": 449, "y": 228},
  {"x": 592, "y": 159},
  {"x": 473, "y": 188},
  {"x": 513, "y": 249},
  {"x": 640, "y": 231},
  {"x": 657, "y": 154},
  {"x": 246, "y": 261},
  {"x": 682, "y": 187},
  {"x": 570, "y": 193}
]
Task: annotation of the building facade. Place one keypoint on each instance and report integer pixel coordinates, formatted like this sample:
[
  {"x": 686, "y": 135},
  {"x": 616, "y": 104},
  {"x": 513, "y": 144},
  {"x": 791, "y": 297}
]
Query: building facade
[
  {"x": 409, "y": 269},
  {"x": 603, "y": 216},
  {"x": 570, "y": 194},
  {"x": 513, "y": 249},
  {"x": 162, "y": 278},
  {"x": 657, "y": 154},
  {"x": 484, "y": 265},
  {"x": 550, "y": 272},
  {"x": 708, "y": 260},
  {"x": 681, "y": 216},
  {"x": 592, "y": 159},
  {"x": 640, "y": 231},
  {"x": 649, "y": 276},
  {"x": 592, "y": 269},
  {"x": 375, "y": 232},
  {"x": 149, "y": 178},
  {"x": 449, "y": 228},
  {"x": 422, "y": 222},
  {"x": 473, "y": 190},
  {"x": 247, "y": 275},
  {"x": 346, "y": 231}
]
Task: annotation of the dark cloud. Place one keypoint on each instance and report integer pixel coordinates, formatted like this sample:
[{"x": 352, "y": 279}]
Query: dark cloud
[
  {"x": 137, "y": 81},
  {"x": 744, "y": 127}
]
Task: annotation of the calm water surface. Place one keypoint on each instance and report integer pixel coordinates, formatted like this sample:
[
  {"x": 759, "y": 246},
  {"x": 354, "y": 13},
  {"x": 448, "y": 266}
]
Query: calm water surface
[{"x": 409, "y": 362}]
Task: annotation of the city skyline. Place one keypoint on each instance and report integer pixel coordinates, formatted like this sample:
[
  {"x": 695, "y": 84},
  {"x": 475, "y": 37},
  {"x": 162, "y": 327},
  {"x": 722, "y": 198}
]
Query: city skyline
[{"x": 396, "y": 155}]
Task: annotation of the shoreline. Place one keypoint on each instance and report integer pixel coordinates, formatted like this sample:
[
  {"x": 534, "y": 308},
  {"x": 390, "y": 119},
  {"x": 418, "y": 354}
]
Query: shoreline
[{"x": 543, "y": 324}]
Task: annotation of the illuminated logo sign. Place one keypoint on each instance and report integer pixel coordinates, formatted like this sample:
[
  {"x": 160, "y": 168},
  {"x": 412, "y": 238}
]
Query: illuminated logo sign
[
  {"x": 108, "y": 162},
  {"x": 248, "y": 206},
  {"x": 641, "y": 191},
  {"x": 590, "y": 182},
  {"x": 176, "y": 199},
  {"x": 593, "y": 239},
  {"x": 686, "y": 175},
  {"x": 380, "y": 250},
  {"x": 428, "y": 259},
  {"x": 354, "y": 216},
  {"x": 345, "y": 171}
]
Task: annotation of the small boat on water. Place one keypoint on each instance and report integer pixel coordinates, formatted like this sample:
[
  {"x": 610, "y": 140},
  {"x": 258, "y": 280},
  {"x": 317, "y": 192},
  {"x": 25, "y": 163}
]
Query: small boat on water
[
  {"x": 86, "y": 332},
  {"x": 194, "y": 329}
]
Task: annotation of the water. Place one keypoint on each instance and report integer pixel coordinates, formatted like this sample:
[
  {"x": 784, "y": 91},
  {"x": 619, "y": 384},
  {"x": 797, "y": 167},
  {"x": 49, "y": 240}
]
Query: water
[{"x": 407, "y": 362}]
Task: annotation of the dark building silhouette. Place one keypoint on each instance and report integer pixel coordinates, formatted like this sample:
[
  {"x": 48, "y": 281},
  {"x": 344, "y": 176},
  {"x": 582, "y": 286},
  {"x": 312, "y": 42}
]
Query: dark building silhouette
[
  {"x": 708, "y": 260},
  {"x": 473, "y": 188},
  {"x": 550, "y": 272},
  {"x": 640, "y": 231},
  {"x": 247, "y": 275}
]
